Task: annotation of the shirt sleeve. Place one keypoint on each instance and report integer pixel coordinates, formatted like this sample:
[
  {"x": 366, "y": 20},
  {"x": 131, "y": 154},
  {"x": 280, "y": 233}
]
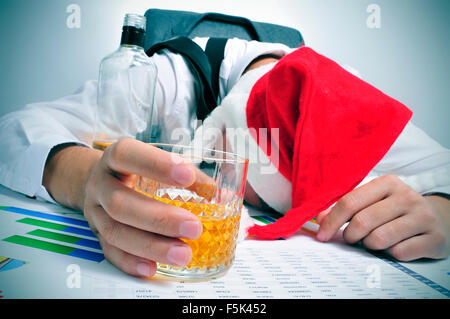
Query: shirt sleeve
[
  {"x": 30, "y": 133},
  {"x": 417, "y": 160}
]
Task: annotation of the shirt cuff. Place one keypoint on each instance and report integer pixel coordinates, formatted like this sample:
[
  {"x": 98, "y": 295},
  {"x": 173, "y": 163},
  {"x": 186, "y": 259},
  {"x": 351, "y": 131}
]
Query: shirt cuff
[
  {"x": 25, "y": 176},
  {"x": 439, "y": 191}
]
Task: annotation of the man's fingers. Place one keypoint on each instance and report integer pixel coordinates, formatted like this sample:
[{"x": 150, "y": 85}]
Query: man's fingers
[
  {"x": 204, "y": 185},
  {"x": 129, "y": 156},
  {"x": 140, "y": 243},
  {"x": 394, "y": 232},
  {"x": 422, "y": 246},
  {"x": 321, "y": 216},
  {"x": 132, "y": 208},
  {"x": 132, "y": 157},
  {"x": 372, "y": 217},
  {"x": 126, "y": 262},
  {"x": 355, "y": 201}
]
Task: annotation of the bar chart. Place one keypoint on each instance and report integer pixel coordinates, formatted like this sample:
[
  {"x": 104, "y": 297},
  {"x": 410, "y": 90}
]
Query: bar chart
[
  {"x": 56, "y": 234},
  {"x": 299, "y": 266},
  {"x": 10, "y": 263}
]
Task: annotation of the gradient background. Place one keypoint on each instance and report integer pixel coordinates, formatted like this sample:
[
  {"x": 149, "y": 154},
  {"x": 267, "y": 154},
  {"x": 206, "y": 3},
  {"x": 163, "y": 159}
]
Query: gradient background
[{"x": 407, "y": 58}]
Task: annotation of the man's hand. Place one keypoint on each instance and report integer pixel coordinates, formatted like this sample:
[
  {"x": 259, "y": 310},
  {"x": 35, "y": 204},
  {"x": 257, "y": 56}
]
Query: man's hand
[
  {"x": 386, "y": 214},
  {"x": 134, "y": 230}
]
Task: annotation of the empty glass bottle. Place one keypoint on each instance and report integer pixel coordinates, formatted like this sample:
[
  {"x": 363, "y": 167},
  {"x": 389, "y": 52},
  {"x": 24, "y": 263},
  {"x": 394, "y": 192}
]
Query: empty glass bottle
[{"x": 126, "y": 89}]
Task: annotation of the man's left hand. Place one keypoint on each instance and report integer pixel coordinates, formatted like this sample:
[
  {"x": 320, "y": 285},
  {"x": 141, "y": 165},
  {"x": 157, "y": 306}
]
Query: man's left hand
[{"x": 386, "y": 214}]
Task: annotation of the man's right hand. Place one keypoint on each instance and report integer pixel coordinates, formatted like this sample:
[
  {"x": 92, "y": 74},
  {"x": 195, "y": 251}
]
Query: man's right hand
[{"x": 134, "y": 230}]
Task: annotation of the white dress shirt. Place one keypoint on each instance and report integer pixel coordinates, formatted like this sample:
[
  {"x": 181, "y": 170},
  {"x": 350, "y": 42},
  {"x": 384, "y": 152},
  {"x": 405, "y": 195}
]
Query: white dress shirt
[{"x": 28, "y": 135}]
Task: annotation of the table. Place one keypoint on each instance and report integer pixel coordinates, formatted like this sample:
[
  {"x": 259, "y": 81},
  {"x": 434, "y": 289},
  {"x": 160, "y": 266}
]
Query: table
[{"x": 48, "y": 251}]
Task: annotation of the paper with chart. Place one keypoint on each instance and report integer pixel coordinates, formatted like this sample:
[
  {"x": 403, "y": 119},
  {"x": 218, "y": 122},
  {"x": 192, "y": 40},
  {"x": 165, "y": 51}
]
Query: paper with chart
[{"x": 49, "y": 252}]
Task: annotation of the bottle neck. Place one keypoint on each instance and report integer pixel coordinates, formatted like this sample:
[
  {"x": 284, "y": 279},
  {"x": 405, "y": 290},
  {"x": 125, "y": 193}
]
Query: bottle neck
[{"x": 132, "y": 36}]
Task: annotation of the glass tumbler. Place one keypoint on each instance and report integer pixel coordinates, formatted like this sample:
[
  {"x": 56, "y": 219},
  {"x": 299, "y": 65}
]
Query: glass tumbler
[{"x": 216, "y": 198}]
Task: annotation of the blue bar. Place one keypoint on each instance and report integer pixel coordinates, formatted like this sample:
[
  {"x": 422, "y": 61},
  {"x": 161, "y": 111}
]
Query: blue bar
[
  {"x": 86, "y": 254},
  {"x": 79, "y": 231},
  {"x": 67, "y": 220},
  {"x": 11, "y": 264},
  {"x": 89, "y": 243},
  {"x": 269, "y": 219}
]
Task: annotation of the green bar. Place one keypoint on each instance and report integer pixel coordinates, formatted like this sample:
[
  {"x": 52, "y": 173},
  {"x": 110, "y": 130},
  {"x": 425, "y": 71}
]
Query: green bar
[
  {"x": 55, "y": 236},
  {"x": 260, "y": 219},
  {"x": 3, "y": 207},
  {"x": 41, "y": 223},
  {"x": 40, "y": 244}
]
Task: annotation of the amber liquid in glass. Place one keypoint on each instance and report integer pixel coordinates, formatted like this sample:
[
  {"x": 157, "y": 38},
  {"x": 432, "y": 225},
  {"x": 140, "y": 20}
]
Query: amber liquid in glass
[{"x": 216, "y": 245}]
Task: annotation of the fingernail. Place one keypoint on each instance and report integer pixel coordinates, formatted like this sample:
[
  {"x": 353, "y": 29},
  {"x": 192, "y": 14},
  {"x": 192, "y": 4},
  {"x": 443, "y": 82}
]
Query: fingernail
[
  {"x": 179, "y": 255},
  {"x": 144, "y": 269},
  {"x": 191, "y": 229},
  {"x": 321, "y": 235},
  {"x": 182, "y": 174}
]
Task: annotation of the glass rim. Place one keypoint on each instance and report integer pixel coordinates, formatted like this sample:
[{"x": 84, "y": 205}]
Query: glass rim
[{"x": 235, "y": 158}]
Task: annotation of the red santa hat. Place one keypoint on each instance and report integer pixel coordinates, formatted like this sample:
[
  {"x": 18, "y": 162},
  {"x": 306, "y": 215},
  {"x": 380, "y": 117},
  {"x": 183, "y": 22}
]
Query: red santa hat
[{"x": 312, "y": 132}]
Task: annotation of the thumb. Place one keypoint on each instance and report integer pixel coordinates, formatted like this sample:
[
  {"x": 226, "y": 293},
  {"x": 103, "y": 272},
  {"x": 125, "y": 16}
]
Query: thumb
[{"x": 322, "y": 215}]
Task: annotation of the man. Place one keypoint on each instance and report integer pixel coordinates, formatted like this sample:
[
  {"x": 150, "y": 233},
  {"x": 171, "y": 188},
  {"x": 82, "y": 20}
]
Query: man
[{"x": 48, "y": 155}]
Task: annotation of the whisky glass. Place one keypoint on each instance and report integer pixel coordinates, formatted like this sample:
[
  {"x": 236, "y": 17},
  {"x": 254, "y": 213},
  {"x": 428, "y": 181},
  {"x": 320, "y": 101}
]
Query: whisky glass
[{"x": 215, "y": 197}]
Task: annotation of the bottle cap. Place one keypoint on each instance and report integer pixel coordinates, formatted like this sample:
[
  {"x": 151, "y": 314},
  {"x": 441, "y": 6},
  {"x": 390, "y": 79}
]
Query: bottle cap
[
  {"x": 134, "y": 20},
  {"x": 133, "y": 30}
]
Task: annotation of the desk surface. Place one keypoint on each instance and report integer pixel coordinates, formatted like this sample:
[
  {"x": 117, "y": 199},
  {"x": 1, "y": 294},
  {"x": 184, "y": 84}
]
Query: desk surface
[{"x": 73, "y": 266}]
